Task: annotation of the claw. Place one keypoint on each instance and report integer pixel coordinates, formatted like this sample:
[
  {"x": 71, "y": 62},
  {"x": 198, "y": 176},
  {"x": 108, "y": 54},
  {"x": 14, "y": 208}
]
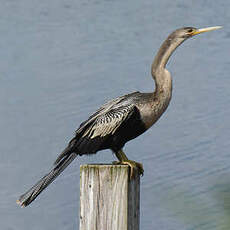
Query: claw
[{"x": 134, "y": 166}]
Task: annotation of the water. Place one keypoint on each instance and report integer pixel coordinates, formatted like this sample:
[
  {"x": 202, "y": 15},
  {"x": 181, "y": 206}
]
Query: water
[{"x": 60, "y": 60}]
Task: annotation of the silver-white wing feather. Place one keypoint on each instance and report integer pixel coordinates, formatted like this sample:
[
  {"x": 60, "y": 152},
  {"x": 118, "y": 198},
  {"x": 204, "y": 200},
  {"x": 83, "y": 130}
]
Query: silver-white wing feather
[
  {"x": 98, "y": 117},
  {"x": 108, "y": 122}
]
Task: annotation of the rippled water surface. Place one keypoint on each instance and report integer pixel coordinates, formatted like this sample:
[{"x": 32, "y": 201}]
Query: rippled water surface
[{"x": 60, "y": 60}]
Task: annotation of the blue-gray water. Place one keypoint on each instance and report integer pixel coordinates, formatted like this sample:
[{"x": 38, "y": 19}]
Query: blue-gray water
[{"x": 60, "y": 60}]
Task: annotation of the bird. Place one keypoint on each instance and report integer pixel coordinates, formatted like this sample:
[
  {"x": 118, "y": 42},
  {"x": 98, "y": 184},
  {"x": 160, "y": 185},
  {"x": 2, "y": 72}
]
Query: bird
[{"x": 122, "y": 119}]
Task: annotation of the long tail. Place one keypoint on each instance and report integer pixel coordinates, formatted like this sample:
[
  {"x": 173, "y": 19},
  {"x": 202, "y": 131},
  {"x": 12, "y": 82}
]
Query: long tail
[{"x": 32, "y": 193}]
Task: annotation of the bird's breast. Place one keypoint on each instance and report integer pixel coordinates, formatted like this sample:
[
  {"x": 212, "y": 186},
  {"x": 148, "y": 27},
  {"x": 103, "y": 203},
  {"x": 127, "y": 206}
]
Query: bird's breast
[{"x": 150, "y": 112}]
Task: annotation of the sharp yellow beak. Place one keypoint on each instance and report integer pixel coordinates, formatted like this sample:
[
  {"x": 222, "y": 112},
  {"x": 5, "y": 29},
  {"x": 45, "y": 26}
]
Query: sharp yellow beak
[{"x": 198, "y": 31}]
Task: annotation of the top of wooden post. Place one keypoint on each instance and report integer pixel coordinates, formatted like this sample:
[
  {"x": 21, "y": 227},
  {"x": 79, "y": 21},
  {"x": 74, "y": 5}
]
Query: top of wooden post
[{"x": 109, "y": 199}]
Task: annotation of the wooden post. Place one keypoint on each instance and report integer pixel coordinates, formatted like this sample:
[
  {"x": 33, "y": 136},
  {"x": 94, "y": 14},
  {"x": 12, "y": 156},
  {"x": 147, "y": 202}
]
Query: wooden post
[{"x": 109, "y": 200}]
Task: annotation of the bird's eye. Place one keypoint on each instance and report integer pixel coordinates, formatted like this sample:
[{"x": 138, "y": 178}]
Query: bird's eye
[{"x": 190, "y": 30}]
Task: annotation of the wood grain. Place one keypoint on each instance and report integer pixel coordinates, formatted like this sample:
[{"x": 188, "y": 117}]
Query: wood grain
[{"x": 109, "y": 200}]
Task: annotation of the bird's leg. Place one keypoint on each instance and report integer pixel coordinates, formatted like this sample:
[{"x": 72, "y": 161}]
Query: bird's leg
[{"x": 123, "y": 159}]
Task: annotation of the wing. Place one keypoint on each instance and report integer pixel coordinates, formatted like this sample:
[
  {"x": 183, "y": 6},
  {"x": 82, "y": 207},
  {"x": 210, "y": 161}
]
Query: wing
[
  {"x": 108, "y": 122},
  {"x": 101, "y": 132},
  {"x": 109, "y": 108}
]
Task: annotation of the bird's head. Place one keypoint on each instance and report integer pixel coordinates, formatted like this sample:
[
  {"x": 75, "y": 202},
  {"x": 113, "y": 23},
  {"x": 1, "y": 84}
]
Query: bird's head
[
  {"x": 173, "y": 41},
  {"x": 187, "y": 32}
]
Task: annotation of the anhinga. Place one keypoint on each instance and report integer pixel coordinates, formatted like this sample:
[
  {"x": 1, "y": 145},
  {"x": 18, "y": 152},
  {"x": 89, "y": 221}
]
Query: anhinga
[{"x": 121, "y": 119}]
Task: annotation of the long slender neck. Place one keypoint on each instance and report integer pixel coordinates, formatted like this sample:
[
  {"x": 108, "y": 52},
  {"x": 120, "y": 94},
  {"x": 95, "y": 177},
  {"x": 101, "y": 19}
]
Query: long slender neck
[{"x": 158, "y": 71}]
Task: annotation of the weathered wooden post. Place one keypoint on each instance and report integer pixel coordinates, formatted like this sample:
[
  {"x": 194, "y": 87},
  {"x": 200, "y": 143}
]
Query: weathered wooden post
[{"x": 109, "y": 200}]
